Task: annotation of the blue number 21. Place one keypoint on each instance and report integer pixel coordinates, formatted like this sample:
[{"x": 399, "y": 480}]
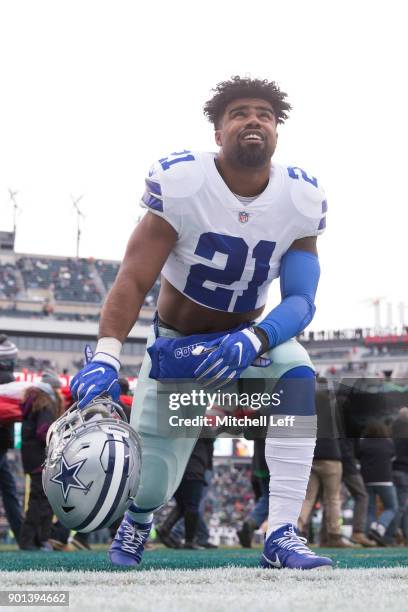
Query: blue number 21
[{"x": 236, "y": 251}]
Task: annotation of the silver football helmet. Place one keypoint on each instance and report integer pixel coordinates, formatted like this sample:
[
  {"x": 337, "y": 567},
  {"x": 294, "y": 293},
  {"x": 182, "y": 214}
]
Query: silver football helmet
[{"x": 92, "y": 469}]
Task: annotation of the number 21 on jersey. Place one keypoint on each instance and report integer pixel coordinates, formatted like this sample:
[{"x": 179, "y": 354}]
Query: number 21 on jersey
[{"x": 236, "y": 250}]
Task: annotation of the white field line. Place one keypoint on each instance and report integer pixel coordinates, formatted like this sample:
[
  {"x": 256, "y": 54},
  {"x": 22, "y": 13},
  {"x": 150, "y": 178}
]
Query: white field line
[{"x": 222, "y": 590}]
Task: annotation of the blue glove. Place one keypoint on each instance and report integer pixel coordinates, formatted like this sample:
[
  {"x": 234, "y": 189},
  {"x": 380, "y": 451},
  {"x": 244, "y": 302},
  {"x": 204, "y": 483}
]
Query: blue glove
[
  {"x": 98, "y": 377},
  {"x": 229, "y": 357}
]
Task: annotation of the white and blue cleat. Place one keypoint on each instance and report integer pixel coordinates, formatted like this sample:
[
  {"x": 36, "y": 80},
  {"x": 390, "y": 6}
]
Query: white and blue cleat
[
  {"x": 128, "y": 546},
  {"x": 286, "y": 549}
]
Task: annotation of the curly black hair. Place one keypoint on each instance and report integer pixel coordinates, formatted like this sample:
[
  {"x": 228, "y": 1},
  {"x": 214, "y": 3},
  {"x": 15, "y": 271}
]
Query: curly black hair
[{"x": 238, "y": 87}]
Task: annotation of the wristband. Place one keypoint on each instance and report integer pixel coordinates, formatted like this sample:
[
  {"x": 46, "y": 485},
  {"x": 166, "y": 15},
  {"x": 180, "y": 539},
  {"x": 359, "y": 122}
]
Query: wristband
[{"x": 108, "y": 350}]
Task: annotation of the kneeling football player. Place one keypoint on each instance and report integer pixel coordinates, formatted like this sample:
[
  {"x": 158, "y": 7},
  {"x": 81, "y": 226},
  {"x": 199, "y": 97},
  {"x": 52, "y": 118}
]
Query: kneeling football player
[{"x": 219, "y": 228}]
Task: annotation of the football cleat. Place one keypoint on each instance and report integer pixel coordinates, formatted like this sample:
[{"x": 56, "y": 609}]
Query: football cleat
[
  {"x": 286, "y": 549},
  {"x": 129, "y": 542}
]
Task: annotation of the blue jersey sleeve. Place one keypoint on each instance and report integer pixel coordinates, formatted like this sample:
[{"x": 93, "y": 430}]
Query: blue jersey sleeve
[{"x": 299, "y": 277}]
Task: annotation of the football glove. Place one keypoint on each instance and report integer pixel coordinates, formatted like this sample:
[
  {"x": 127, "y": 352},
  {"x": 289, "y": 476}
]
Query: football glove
[
  {"x": 229, "y": 357},
  {"x": 98, "y": 377}
]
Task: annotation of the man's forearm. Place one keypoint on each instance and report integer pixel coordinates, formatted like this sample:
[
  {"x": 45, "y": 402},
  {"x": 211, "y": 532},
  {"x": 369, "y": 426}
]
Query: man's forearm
[{"x": 121, "y": 309}]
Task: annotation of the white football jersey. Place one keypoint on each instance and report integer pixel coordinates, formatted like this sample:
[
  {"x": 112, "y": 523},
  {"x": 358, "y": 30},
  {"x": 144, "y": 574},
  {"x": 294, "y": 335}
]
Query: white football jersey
[{"x": 228, "y": 252}]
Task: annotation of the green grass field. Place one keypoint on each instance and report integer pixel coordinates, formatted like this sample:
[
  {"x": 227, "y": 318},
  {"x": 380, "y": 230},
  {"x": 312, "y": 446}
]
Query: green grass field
[{"x": 216, "y": 580}]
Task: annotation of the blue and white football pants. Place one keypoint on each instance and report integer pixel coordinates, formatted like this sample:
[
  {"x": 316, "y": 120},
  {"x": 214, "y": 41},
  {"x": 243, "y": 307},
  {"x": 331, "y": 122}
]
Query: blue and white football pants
[{"x": 166, "y": 449}]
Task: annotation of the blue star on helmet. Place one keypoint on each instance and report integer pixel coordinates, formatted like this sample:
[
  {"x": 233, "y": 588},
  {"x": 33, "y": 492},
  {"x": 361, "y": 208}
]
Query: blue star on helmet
[{"x": 67, "y": 477}]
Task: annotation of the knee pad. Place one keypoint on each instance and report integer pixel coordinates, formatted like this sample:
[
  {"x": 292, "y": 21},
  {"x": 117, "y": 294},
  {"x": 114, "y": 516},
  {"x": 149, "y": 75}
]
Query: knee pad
[
  {"x": 297, "y": 390},
  {"x": 155, "y": 484},
  {"x": 163, "y": 464}
]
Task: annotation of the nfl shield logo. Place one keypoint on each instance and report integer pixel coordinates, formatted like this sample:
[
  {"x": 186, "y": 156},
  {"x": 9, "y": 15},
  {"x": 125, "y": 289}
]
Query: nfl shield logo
[{"x": 243, "y": 216}]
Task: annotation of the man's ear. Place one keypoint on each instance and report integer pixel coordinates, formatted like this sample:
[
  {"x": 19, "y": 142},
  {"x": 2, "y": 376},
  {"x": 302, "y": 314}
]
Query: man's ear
[{"x": 218, "y": 139}]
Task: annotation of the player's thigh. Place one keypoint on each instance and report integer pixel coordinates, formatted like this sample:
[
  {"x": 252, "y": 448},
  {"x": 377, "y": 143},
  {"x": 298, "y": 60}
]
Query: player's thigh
[
  {"x": 285, "y": 357},
  {"x": 167, "y": 439}
]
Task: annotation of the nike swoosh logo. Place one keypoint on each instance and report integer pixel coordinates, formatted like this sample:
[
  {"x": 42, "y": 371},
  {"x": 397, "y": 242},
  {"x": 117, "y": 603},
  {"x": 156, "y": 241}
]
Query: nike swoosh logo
[
  {"x": 275, "y": 563},
  {"x": 239, "y": 345},
  {"x": 93, "y": 371},
  {"x": 88, "y": 390}
]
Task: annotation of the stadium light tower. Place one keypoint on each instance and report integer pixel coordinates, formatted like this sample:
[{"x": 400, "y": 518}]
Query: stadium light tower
[
  {"x": 401, "y": 312},
  {"x": 16, "y": 209},
  {"x": 75, "y": 202},
  {"x": 375, "y": 303}
]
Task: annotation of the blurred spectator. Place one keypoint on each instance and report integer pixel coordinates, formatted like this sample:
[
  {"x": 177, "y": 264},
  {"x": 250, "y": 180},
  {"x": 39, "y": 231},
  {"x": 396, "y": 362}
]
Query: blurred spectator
[
  {"x": 52, "y": 378},
  {"x": 376, "y": 452},
  {"x": 41, "y": 406},
  {"x": 8, "y": 489},
  {"x": 326, "y": 475},
  {"x": 355, "y": 485},
  {"x": 400, "y": 475},
  {"x": 188, "y": 496},
  {"x": 126, "y": 406},
  {"x": 8, "y": 281},
  {"x": 260, "y": 511},
  {"x": 230, "y": 498},
  {"x": 124, "y": 396},
  {"x": 69, "y": 279},
  {"x": 178, "y": 532}
]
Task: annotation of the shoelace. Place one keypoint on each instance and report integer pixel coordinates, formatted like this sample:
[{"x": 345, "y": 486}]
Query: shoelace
[
  {"x": 291, "y": 541},
  {"x": 133, "y": 537}
]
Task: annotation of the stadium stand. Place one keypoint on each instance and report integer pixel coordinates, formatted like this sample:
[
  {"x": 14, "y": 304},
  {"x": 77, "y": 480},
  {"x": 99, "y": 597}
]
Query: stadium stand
[
  {"x": 69, "y": 279},
  {"x": 60, "y": 280},
  {"x": 8, "y": 281},
  {"x": 35, "y": 287},
  {"x": 230, "y": 497},
  {"x": 107, "y": 271}
]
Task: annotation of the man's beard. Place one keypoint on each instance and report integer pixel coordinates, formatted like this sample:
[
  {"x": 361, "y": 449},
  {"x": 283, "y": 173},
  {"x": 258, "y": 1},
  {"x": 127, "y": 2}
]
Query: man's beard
[{"x": 250, "y": 156}]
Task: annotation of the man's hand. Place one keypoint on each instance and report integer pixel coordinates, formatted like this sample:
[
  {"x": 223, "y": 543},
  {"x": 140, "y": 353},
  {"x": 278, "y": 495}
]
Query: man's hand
[
  {"x": 229, "y": 357},
  {"x": 98, "y": 377}
]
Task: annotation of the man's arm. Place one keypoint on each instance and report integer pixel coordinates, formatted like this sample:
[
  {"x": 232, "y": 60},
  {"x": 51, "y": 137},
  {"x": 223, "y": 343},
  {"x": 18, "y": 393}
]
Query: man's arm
[
  {"x": 146, "y": 252},
  {"x": 299, "y": 277},
  {"x": 307, "y": 244}
]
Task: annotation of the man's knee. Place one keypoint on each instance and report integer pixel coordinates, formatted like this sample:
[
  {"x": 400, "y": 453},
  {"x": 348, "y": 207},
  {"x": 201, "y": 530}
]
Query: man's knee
[
  {"x": 163, "y": 465},
  {"x": 158, "y": 481}
]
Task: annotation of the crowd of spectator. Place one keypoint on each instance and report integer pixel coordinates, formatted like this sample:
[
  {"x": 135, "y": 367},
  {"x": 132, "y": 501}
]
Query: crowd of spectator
[
  {"x": 230, "y": 496},
  {"x": 368, "y": 473},
  {"x": 66, "y": 279},
  {"x": 8, "y": 281},
  {"x": 107, "y": 271}
]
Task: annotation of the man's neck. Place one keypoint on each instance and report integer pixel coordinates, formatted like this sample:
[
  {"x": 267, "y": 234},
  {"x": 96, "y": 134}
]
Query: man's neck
[{"x": 243, "y": 181}]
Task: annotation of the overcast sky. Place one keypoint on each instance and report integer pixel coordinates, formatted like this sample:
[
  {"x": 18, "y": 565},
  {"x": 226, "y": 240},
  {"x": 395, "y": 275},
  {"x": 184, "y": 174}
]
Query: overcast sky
[{"x": 94, "y": 91}]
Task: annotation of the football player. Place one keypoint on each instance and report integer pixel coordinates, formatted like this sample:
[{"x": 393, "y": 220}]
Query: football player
[{"x": 220, "y": 227}]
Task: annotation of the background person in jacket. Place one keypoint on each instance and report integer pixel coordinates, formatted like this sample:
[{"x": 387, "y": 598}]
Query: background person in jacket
[
  {"x": 8, "y": 489},
  {"x": 325, "y": 477},
  {"x": 260, "y": 511},
  {"x": 41, "y": 406},
  {"x": 188, "y": 496},
  {"x": 376, "y": 453},
  {"x": 354, "y": 483},
  {"x": 400, "y": 476}
]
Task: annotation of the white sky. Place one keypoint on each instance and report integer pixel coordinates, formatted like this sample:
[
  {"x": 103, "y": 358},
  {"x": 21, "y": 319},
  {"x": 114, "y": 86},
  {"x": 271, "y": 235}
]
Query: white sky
[{"x": 94, "y": 91}]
